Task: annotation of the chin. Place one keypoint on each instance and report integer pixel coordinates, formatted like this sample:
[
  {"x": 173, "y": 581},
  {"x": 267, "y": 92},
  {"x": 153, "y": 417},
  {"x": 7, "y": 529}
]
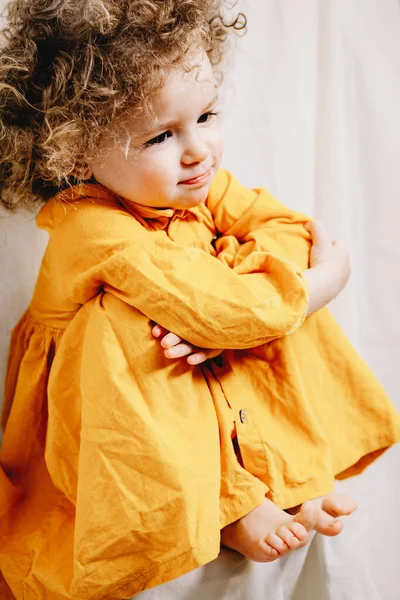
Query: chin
[
  {"x": 202, "y": 198},
  {"x": 193, "y": 203},
  {"x": 196, "y": 199}
]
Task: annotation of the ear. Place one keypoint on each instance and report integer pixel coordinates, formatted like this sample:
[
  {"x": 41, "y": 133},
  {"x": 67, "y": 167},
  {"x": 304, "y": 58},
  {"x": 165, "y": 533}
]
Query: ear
[{"x": 82, "y": 172}]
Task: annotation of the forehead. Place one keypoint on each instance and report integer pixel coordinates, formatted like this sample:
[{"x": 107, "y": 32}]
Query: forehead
[
  {"x": 192, "y": 83},
  {"x": 186, "y": 90}
]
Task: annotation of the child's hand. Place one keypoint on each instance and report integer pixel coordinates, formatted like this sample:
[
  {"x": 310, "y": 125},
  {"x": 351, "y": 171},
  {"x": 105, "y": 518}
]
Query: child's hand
[
  {"x": 325, "y": 250},
  {"x": 329, "y": 267},
  {"x": 175, "y": 347}
]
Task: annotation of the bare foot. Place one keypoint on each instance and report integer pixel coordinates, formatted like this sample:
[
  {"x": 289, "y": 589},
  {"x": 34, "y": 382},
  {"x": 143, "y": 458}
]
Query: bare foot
[
  {"x": 330, "y": 507},
  {"x": 268, "y": 533}
]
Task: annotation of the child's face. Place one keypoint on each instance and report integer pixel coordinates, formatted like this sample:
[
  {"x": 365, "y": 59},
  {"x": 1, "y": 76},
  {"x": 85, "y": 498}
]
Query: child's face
[{"x": 167, "y": 160}]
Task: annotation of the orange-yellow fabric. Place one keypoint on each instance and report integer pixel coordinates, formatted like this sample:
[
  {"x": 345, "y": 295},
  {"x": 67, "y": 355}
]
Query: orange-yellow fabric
[{"x": 117, "y": 465}]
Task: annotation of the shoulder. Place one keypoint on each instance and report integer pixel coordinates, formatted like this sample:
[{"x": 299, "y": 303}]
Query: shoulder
[{"x": 87, "y": 217}]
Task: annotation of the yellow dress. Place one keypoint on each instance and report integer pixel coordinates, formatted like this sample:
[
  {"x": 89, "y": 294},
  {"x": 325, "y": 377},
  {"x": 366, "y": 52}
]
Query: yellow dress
[{"x": 117, "y": 465}]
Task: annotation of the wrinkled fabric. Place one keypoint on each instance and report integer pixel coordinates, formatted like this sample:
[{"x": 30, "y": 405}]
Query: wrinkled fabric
[{"x": 117, "y": 465}]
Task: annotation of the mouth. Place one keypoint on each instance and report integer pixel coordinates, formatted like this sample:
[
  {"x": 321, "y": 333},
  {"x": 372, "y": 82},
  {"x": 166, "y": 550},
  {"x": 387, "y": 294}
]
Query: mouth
[{"x": 199, "y": 180}]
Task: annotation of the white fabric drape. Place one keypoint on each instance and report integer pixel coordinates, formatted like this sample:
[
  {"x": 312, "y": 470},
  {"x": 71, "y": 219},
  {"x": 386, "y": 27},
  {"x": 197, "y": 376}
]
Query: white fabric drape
[
  {"x": 316, "y": 120},
  {"x": 312, "y": 114}
]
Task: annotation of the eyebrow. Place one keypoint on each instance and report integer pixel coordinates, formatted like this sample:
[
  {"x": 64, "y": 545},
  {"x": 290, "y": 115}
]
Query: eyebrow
[{"x": 168, "y": 124}]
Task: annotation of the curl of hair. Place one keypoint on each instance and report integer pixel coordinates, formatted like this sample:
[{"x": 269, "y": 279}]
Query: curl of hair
[{"x": 68, "y": 68}]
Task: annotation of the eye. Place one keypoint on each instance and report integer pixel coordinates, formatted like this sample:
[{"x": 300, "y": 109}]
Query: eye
[
  {"x": 206, "y": 117},
  {"x": 159, "y": 139}
]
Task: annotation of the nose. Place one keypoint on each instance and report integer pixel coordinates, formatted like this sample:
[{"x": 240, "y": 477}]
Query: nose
[{"x": 195, "y": 150}]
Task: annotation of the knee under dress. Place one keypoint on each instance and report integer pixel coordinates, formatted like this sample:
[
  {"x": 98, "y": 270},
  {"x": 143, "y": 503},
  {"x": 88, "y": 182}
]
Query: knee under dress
[{"x": 117, "y": 468}]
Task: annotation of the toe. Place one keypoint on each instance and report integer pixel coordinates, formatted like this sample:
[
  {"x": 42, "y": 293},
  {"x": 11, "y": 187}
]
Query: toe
[
  {"x": 290, "y": 539},
  {"x": 307, "y": 515},
  {"x": 299, "y": 531},
  {"x": 327, "y": 525},
  {"x": 276, "y": 542},
  {"x": 338, "y": 505},
  {"x": 265, "y": 553}
]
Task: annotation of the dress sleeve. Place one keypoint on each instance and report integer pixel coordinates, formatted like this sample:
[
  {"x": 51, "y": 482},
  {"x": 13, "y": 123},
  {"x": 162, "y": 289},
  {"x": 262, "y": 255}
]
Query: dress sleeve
[
  {"x": 184, "y": 289},
  {"x": 252, "y": 220}
]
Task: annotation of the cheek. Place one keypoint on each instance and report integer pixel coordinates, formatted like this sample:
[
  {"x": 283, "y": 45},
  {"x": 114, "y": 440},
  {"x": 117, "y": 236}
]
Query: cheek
[
  {"x": 157, "y": 172},
  {"x": 163, "y": 164},
  {"x": 217, "y": 142},
  {"x": 218, "y": 151},
  {"x": 220, "y": 146}
]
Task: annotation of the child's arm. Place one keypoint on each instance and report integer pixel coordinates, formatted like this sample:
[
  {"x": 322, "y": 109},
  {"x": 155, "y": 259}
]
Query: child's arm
[
  {"x": 257, "y": 220},
  {"x": 102, "y": 248},
  {"x": 328, "y": 274},
  {"x": 330, "y": 268}
]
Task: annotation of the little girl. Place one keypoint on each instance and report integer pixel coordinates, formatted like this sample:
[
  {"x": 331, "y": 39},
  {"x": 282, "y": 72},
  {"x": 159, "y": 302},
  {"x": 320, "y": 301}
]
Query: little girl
[{"x": 119, "y": 467}]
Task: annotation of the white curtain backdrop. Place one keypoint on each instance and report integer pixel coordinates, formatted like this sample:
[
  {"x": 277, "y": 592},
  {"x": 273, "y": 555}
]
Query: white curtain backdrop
[{"x": 312, "y": 113}]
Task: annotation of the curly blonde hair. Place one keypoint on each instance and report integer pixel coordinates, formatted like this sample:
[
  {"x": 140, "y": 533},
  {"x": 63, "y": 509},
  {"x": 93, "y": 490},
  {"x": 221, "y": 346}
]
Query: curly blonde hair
[{"x": 68, "y": 68}]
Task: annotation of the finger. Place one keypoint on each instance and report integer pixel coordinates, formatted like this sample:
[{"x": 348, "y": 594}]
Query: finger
[
  {"x": 318, "y": 234},
  {"x": 170, "y": 340},
  {"x": 159, "y": 331},
  {"x": 202, "y": 355},
  {"x": 179, "y": 350},
  {"x": 197, "y": 358}
]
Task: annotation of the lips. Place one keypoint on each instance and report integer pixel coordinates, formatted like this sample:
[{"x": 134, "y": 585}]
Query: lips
[{"x": 199, "y": 179}]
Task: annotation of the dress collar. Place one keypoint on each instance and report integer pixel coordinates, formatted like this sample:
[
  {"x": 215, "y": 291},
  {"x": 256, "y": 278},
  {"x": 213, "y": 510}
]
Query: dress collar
[{"x": 155, "y": 218}]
